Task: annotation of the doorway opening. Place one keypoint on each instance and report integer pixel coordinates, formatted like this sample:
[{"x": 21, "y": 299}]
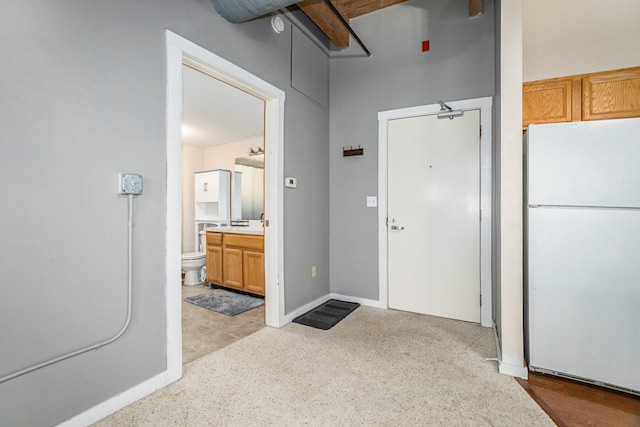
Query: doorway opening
[
  {"x": 223, "y": 138},
  {"x": 181, "y": 52},
  {"x": 484, "y": 105}
]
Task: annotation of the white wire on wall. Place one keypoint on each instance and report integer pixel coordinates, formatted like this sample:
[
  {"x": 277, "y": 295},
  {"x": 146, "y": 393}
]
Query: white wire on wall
[{"x": 100, "y": 343}]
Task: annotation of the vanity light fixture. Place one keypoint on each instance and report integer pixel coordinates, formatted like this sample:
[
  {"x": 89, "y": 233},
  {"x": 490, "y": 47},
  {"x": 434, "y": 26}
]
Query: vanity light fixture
[{"x": 255, "y": 151}]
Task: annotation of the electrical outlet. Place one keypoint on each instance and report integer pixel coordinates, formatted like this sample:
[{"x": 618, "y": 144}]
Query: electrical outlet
[
  {"x": 313, "y": 271},
  {"x": 129, "y": 183},
  {"x": 290, "y": 182}
]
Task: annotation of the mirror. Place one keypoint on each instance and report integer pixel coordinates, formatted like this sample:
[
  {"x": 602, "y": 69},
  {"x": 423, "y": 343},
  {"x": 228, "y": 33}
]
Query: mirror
[{"x": 248, "y": 187}]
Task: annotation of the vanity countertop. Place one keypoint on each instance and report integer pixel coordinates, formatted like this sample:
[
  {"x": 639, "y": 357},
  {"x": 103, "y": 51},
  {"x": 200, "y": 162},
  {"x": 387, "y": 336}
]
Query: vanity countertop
[{"x": 259, "y": 230}]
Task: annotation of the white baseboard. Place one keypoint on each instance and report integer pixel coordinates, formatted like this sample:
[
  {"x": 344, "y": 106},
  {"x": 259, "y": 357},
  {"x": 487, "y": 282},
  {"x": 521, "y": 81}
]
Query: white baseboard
[
  {"x": 302, "y": 310},
  {"x": 361, "y": 301},
  {"x": 108, "y": 407},
  {"x": 313, "y": 304}
]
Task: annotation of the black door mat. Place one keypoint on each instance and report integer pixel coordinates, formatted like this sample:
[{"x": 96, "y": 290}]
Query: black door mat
[{"x": 327, "y": 315}]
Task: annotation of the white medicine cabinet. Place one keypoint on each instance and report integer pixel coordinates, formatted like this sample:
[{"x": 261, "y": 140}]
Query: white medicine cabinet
[{"x": 213, "y": 195}]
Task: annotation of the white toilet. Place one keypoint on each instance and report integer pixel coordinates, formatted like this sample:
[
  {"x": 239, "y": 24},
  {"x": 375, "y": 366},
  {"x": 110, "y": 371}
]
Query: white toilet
[{"x": 192, "y": 263}]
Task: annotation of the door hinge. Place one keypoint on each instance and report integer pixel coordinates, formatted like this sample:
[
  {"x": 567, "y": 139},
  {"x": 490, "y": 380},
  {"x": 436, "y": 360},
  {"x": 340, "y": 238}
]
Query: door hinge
[{"x": 480, "y": 131}]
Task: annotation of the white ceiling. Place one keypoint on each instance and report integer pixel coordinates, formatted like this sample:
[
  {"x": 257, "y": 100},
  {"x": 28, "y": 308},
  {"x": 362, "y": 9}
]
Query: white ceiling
[{"x": 217, "y": 113}]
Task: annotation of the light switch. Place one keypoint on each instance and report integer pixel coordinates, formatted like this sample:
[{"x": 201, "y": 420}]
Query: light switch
[{"x": 372, "y": 201}]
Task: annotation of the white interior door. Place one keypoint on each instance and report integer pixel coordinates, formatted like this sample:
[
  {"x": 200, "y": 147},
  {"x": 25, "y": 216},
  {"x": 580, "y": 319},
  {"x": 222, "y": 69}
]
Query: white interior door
[{"x": 433, "y": 208}]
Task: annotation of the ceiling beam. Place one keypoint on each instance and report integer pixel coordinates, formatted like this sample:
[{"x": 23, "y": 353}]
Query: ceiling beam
[
  {"x": 327, "y": 21},
  {"x": 355, "y": 8},
  {"x": 475, "y": 8}
]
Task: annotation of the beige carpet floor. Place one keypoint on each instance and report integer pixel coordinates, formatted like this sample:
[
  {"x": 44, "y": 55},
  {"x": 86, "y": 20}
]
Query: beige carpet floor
[{"x": 376, "y": 367}]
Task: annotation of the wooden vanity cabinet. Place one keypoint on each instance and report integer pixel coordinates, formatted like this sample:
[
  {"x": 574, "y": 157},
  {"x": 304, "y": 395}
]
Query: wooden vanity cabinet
[
  {"x": 214, "y": 258},
  {"x": 253, "y": 271},
  {"x": 243, "y": 258},
  {"x": 236, "y": 261},
  {"x": 232, "y": 259}
]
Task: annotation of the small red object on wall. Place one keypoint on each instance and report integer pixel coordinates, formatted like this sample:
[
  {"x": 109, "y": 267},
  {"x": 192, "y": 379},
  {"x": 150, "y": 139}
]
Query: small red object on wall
[{"x": 425, "y": 46}]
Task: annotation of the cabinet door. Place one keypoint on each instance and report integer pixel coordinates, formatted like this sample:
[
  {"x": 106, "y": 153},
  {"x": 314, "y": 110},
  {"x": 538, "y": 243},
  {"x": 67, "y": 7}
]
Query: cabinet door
[
  {"x": 214, "y": 264},
  {"x": 253, "y": 269},
  {"x": 550, "y": 101},
  {"x": 611, "y": 95},
  {"x": 207, "y": 187},
  {"x": 232, "y": 271}
]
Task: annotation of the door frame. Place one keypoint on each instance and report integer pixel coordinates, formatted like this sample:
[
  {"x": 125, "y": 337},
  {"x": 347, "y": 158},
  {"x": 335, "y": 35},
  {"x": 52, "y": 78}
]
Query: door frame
[
  {"x": 181, "y": 51},
  {"x": 485, "y": 105}
]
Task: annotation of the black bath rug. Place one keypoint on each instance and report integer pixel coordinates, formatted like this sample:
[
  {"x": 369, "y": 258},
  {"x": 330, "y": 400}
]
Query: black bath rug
[
  {"x": 327, "y": 315},
  {"x": 226, "y": 302}
]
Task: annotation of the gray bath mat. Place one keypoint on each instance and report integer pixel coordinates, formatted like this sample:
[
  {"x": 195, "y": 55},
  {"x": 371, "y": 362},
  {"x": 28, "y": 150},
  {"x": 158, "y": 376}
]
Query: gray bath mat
[{"x": 226, "y": 302}]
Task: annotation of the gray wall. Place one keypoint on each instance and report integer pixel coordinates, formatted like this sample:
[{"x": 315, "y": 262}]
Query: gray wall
[
  {"x": 306, "y": 216},
  {"x": 83, "y": 97},
  {"x": 460, "y": 65}
]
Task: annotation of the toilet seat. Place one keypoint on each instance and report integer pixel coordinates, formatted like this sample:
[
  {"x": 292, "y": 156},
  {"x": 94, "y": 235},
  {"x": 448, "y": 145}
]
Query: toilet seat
[{"x": 193, "y": 256}]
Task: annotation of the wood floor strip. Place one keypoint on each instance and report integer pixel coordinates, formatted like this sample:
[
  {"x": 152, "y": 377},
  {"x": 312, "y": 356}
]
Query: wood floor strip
[{"x": 571, "y": 403}]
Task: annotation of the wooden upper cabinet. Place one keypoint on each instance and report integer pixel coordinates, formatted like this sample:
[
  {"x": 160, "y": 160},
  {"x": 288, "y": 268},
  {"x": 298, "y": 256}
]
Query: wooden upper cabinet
[
  {"x": 611, "y": 95},
  {"x": 547, "y": 101},
  {"x": 605, "y": 95}
]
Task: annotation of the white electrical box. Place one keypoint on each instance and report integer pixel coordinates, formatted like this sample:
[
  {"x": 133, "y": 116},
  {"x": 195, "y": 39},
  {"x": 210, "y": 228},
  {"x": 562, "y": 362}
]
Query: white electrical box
[
  {"x": 290, "y": 182},
  {"x": 129, "y": 183}
]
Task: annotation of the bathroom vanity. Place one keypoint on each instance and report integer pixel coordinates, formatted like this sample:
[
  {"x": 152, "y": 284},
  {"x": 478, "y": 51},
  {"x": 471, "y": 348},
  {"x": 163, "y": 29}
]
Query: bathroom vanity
[{"x": 235, "y": 258}]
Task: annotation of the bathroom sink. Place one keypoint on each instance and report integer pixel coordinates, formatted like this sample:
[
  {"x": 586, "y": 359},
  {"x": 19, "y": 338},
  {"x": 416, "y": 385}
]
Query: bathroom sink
[{"x": 251, "y": 229}]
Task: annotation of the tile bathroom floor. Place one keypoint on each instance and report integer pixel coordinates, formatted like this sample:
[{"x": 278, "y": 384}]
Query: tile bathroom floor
[{"x": 205, "y": 331}]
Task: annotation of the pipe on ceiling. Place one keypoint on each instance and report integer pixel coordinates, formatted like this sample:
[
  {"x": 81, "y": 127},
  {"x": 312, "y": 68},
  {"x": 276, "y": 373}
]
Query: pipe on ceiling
[{"x": 237, "y": 11}]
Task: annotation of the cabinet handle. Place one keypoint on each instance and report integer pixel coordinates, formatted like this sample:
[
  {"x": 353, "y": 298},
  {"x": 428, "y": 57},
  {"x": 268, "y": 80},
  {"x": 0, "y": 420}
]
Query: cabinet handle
[
  {"x": 397, "y": 227},
  {"x": 206, "y": 186}
]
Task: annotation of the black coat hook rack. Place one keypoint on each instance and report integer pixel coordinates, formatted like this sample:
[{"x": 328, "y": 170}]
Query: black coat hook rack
[{"x": 352, "y": 151}]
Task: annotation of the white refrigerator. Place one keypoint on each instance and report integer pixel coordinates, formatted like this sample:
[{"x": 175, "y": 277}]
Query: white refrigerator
[{"x": 582, "y": 268}]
